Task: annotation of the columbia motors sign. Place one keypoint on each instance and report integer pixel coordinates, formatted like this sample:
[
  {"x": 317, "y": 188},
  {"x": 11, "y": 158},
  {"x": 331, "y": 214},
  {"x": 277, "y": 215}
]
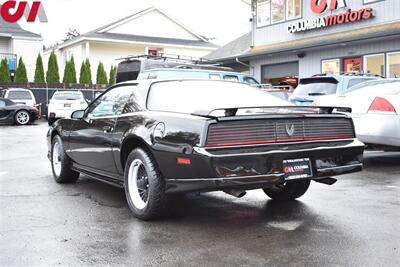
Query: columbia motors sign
[
  {"x": 13, "y": 11},
  {"x": 344, "y": 16}
]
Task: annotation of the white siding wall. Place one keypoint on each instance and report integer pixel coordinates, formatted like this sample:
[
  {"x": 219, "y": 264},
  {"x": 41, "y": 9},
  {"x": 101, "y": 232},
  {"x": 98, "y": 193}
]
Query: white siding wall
[
  {"x": 108, "y": 52},
  {"x": 4, "y": 45},
  {"x": 28, "y": 50}
]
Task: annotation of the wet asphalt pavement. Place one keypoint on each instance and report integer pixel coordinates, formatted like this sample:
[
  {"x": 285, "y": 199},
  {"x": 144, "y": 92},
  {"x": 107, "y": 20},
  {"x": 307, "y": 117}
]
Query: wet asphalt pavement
[{"x": 355, "y": 222}]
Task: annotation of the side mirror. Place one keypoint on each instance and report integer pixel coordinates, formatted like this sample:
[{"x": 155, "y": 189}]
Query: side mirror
[{"x": 78, "y": 115}]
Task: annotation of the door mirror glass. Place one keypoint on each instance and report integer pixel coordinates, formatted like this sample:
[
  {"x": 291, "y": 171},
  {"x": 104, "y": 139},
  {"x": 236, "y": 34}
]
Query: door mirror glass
[{"x": 79, "y": 114}]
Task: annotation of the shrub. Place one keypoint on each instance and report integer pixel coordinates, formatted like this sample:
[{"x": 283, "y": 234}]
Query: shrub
[
  {"x": 5, "y": 75},
  {"x": 52, "y": 75},
  {"x": 20, "y": 73},
  {"x": 113, "y": 73},
  {"x": 101, "y": 77},
  {"x": 39, "y": 70}
]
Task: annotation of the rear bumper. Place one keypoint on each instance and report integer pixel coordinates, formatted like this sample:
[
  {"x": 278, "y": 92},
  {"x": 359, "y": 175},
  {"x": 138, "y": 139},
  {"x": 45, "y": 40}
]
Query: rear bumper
[{"x": 258, "y": 167}]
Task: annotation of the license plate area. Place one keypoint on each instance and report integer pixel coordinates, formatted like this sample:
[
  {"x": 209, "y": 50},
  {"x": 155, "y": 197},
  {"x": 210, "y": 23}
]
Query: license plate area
[
  {"x": 67, "y": 105},
  {"x": 297, "y": 168}
]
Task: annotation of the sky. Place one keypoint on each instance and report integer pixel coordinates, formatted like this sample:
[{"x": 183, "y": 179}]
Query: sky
[{"x": 223, "y": 20}]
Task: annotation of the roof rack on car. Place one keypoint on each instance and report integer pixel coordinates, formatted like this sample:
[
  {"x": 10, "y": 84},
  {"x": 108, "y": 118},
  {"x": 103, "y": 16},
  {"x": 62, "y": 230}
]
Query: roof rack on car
[
  {"x": 357, "y": 74},
  {"x": 171, "y": 57}
]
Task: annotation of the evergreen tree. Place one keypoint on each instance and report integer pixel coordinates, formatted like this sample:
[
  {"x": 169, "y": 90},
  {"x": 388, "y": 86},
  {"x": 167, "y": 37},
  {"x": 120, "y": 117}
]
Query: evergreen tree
[
  {"x": 72, "y": 70},
  {"x": 20, "y": 73},
  {"x": 52, "y": 75},
  {"x": 67, "y": 73},
  {"x": 113, "y": 73},
  {"x": 82, "y": 73},
  {"x": 101, "y": 77},
  {"x": 39, "y": 71},
  {"x": 89, "y": 71},
  {"x": 5, "y": 75}
]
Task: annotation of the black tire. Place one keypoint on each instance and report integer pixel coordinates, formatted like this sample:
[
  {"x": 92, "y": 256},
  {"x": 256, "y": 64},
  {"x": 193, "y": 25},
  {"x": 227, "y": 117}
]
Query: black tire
[
  {"x": 155, "y": 203},
  {"x": 288, "y": 191},
  {"x": 22, "y": 117},
  {"x": 65, "y": 174}
]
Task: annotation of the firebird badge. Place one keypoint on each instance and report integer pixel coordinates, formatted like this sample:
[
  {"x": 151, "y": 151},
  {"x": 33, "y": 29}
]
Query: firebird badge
[{"x": 290, "y": 129}]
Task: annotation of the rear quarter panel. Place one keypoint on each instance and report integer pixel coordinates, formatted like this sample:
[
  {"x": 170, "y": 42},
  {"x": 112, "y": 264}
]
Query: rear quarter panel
[{"x": 182, "y": 133}]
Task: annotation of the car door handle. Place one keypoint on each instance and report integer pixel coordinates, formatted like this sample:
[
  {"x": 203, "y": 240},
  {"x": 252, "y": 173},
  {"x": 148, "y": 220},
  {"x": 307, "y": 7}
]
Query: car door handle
[{"x": 107, "y": 129}]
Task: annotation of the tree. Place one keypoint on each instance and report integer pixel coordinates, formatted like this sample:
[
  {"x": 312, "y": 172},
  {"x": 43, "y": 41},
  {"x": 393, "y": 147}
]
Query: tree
[
  {"x": 72, "y": 69},
  {"x": 113, "y": 73},
  {"x": 71, "y": 34},
  {"x": 39, "y": 71},
  {"x": 85, "y": 74},
  {"x": 69, "y": 72},
  {"x": 89, "y": 70},
  {"x": 101, "y": 77},
  {"x": 5, "y": 75},
  {"x": 52, "y": 75},
  {"x": 20, "y": 73}
]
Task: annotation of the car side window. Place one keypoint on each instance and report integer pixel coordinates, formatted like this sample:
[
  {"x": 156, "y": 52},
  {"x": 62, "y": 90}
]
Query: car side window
[
  {"x": 111, "y": 103},
  {"x": 233, "y": 78},
  {"x": 251, "y": 81},
  {"x": 215, "y": 77},
  {"x": 2, "y": 104},
  {"x": 356, "y": 81}
]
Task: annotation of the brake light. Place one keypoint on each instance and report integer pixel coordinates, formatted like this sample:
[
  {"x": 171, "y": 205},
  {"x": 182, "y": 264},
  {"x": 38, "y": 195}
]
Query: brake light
[{"x": 381, "y": 105}]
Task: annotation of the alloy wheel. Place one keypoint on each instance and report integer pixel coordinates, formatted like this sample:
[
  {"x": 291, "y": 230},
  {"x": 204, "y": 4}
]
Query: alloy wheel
[{"x": 138, "y": 184}]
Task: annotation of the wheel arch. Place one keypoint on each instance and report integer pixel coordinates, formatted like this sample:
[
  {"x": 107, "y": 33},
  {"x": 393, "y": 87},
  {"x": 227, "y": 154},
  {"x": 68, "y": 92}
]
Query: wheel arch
[{"x": 130, "y": 143}]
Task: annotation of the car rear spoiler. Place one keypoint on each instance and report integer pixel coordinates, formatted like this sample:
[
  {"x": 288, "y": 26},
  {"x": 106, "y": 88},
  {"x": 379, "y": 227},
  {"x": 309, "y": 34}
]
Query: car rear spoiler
[{"x": 231, "y": 112}]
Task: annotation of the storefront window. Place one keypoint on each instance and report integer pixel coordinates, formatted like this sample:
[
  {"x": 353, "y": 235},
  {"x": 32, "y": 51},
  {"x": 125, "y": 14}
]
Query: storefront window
[
  {"x": 275, "y": 11},
  {"x": 331, "y": 66},
  {"x": 393, "y": 65},
  {"x": 375, "y": 64},
  {"x": 263, "y": 13},
  {"x": 293, "y": 9},
  {"x": 278, "y": 10}
]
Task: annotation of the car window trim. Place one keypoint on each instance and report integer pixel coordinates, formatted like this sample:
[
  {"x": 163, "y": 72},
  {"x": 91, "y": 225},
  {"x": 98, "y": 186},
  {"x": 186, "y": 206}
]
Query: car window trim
[{"x": 106, "y": 91}]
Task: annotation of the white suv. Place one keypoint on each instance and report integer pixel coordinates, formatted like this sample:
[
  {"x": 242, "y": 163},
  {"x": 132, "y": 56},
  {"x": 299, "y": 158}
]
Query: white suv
[
  {"x": 20, "y": 96},
  {"x": 63, "y": 103}
]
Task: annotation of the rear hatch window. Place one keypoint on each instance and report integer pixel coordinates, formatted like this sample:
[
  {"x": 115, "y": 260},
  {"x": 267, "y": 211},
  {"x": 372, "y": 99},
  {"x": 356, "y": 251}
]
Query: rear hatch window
[
  {"x": 316, "y": 87},
  {"x": 19, "y": 95},
  {"x": 67, "y": 96}
]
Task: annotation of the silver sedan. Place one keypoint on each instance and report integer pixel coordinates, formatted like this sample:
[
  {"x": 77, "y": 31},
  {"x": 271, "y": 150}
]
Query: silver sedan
[{"x": 375, "y": 111}]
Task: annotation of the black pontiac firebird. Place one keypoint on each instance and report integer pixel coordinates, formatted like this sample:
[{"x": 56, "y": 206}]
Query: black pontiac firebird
[{"x": 155, "y": 138}]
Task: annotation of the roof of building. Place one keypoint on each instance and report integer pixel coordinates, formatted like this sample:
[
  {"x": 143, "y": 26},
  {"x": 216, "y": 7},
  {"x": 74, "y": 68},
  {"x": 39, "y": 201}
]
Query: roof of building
[
  {"x": 103, "y": 34},
  {"x": 235, "y": 48},
  {"x": 14, "y": 30}
]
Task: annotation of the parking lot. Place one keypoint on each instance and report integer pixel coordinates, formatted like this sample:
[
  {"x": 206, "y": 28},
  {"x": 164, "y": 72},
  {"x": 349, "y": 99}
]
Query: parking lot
[{"x": 352, "y": 223}]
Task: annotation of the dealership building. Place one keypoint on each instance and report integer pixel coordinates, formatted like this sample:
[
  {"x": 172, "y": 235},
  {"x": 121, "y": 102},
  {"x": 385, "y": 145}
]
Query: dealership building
[{"x": 307, "y": 37}]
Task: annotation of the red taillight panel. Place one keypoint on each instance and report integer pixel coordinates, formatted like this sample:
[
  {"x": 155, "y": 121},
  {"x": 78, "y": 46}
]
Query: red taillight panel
[
  {"x": 382, "y": 105},
  {"x": 253, "y": 132},
  {"x": 183, "y": 161}
]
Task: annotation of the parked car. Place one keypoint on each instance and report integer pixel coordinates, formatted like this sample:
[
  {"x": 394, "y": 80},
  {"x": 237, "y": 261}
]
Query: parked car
[
  {"x": 277, "y": 92},
  {"x": 16, "y": 113},
  {"x": 63, "y": 103},
  {"x": 291, "y": 81},
  {"x": 155, "y": 138},
  {"x": 172, "y": 73},
  {"x": 131, "y": 67},
  {"x": 19, "y": 95},
  {"x": 375, "y": 111},
  {"x": 326, "y": 86}
]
